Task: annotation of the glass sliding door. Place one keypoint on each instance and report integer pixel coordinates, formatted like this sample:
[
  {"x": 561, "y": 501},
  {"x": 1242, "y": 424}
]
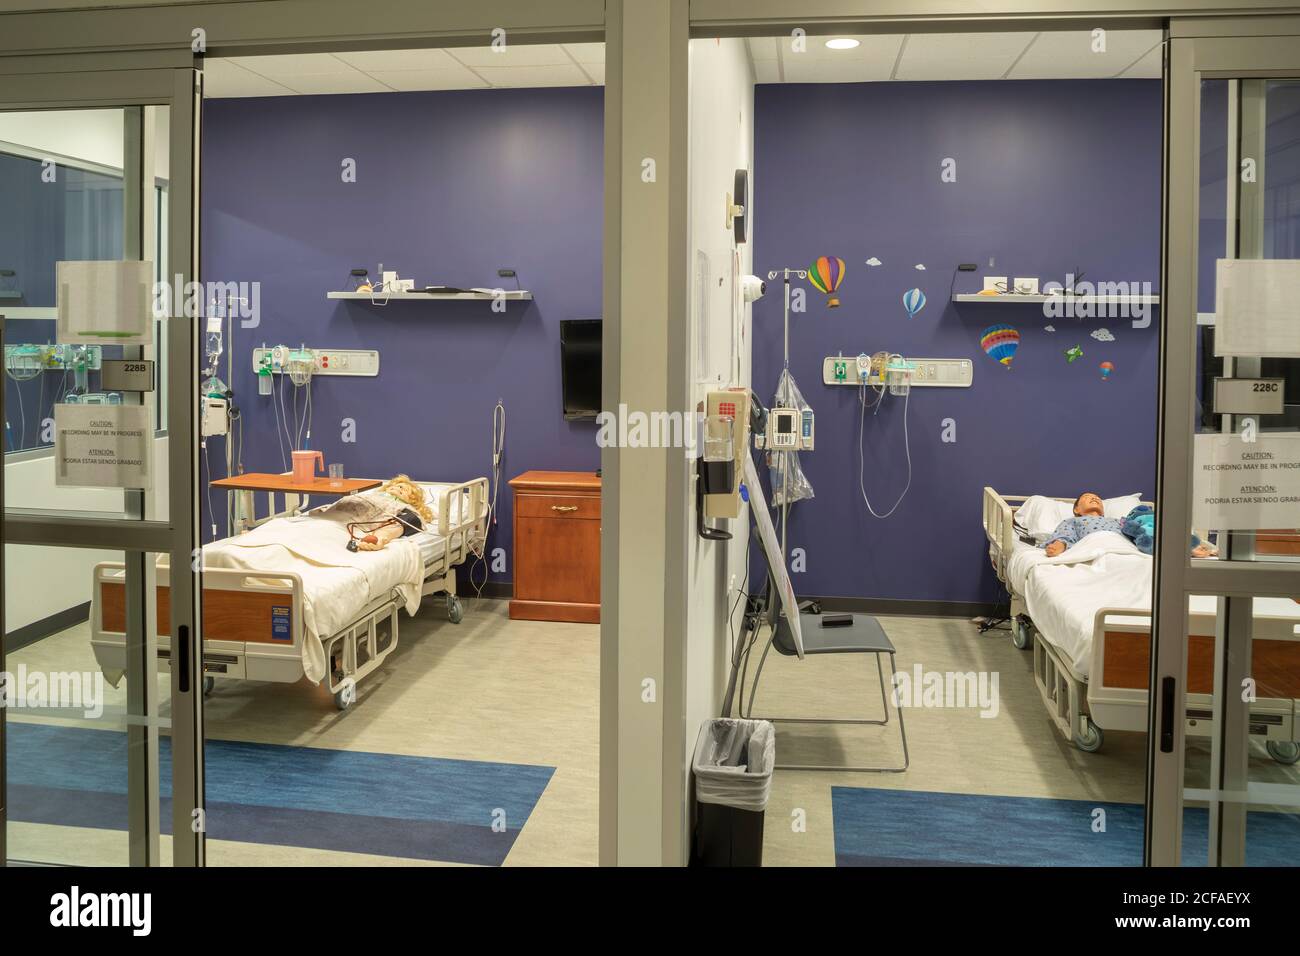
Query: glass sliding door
[
  {"x": 100, "y": 732},
  {"x": 1225, "y": 782}
]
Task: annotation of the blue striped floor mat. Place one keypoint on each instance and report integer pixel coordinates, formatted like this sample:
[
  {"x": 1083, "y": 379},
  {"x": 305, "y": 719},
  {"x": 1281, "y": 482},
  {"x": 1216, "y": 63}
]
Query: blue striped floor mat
[
  {"x": 424, "y": 808},
  {"x": 920, "y": 828}
]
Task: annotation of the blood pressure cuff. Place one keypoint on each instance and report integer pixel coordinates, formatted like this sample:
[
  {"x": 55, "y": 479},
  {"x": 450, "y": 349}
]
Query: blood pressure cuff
[{"x": 410, "y": 522}]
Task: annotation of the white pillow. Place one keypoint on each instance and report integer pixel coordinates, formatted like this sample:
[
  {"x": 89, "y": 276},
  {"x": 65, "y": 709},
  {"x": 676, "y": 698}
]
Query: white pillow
[
  {"x": 1040, "y": 515},
  {"x": 1119, "y": 507}
]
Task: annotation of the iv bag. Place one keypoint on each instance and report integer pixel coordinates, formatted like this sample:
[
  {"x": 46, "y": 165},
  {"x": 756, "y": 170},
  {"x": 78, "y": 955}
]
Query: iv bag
[{"x": 788, "y": 482}]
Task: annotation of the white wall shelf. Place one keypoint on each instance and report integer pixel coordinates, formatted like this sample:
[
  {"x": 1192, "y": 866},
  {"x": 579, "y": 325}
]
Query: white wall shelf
[
  {"x": 509, "y": 295},
  {"x": 1041, "y": 298}
]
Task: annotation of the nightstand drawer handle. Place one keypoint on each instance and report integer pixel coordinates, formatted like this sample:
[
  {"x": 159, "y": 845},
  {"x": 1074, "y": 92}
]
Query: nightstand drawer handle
[{"x": 564, "y": 507}]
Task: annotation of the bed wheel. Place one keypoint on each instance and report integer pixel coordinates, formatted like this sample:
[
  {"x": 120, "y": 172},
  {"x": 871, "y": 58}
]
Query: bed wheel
[
  {"x": 209, "y": 682},
  {"x": 344, "y": 697},
  {"x": 1283, "y": 751},
  {"x": 1022, "y": 634},
  {"x": 1090, "y": 740},
  {"x": 455, "y": 610}
]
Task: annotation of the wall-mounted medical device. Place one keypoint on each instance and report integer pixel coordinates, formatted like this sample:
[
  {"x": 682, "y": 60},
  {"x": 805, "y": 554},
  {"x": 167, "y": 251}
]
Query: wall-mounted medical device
[
  {"x": 214, "y": 416},
  {"x": 715, "y": 469},
  {"x": 25, "y": 361},
  {"x": 788, "y": 429},
  {"x": 922, "y": 372},
  {"x": 735, "y": 405},
  {"x": 94, "y": 398},
  {"x": 268, "y": 361}
]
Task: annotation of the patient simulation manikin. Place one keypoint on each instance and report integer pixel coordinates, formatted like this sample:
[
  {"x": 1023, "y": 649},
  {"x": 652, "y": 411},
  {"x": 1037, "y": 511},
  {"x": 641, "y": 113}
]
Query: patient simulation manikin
[
  {"x": 399, "y": 509},
  {"x": 1090, "y": 517}
]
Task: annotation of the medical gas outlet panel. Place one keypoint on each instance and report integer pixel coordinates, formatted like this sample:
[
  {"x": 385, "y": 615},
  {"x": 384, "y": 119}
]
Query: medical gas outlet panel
[
  {"x": 326, "y": 361},
  {"x": 925, "y": 372}
]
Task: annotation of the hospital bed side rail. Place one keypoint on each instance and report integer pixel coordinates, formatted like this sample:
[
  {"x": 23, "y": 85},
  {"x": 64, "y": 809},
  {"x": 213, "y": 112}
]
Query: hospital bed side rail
[
  {"x": 460, "y": 537},
  {"x": 999, "y": 526}
]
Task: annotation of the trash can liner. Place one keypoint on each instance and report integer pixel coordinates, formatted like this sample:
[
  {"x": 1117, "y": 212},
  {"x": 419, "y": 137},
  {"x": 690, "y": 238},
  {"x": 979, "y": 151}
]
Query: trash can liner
[{"x": 733, "y": 763}]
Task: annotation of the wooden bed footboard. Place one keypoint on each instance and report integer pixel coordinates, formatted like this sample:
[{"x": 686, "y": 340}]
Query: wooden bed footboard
[
  {"x": 1275, "y": 664},
  {"x": 1278, "y": 541},
  {"x": 254, "y": 607}
]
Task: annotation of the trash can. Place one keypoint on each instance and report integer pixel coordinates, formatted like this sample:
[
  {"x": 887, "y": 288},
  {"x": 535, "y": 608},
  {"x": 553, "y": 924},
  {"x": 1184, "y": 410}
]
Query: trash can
[{"x": 733, "y": 779}]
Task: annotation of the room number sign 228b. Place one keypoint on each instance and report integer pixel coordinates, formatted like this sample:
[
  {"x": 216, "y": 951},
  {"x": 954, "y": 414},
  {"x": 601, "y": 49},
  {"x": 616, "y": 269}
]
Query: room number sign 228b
[{"x": 126, "y": 375}]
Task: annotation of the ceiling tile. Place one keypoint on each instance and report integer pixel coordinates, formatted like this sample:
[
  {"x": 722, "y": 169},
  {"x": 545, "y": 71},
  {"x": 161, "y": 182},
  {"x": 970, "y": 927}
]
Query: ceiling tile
[
  {"x": 873, "y": 60},
  {"x": 222, "y": 78},
  {"x": 870, "y": 49},
  {"x": 586, "y": 53},
  {"x": 566, "y": 74},
  {"x": 291, "y": 64},
  {"x": 406, "y": 81},
  {"x": 1073, "y": 54},
  {"x": 960, "y": 56},
  {"x": 370, "y": 61},
  {"x": 511, "y": 55},
  {"x": 765, "y": 71},
  {"x": 354, "y": 82}
]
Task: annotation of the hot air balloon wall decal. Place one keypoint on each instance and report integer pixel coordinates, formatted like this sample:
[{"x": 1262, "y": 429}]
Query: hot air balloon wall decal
[
  {"x": 1107, "y": 369},
  {"x": 826, "y": 274},
  {"x": 1000, "y": 342},
  {"x": 913, "y": 302}
]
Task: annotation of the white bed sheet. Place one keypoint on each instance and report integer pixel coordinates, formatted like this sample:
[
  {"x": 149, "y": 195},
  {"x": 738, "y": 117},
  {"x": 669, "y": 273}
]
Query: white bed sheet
[
  {"x": 1063, "y": 594},
  {"x": 337, "y": 584}
]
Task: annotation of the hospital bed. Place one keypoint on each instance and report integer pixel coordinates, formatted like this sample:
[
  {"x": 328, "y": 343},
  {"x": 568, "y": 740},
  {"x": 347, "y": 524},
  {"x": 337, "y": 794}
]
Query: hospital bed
[
  {"x": 1089, "y": 624},
  {"x": 288, "y": 600}
]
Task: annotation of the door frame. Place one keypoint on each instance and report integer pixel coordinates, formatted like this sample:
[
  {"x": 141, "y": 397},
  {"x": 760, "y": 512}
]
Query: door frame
[
  {"x": 132, "y": 83},
  {"x": 1197, "y": 49},
  {"x": 634, "y": 86}
]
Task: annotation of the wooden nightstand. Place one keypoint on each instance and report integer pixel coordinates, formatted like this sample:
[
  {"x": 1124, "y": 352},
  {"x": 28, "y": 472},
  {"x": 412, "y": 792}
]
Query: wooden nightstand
[{"x": 557, "y": 546}]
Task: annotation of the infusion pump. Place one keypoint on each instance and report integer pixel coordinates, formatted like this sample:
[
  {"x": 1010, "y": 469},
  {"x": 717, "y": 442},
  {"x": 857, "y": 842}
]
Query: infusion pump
[{"x": 789, "y": 429}]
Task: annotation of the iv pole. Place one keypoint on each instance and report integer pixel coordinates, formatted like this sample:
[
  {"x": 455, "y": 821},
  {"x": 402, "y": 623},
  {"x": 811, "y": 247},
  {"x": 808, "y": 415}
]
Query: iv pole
[
  {"x": 734, "y": 681},
  {"x": 785, "y": 275}
]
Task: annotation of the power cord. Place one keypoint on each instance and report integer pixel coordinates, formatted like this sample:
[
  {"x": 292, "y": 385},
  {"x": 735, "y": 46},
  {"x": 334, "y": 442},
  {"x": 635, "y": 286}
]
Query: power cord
[{"x": 498, "y": 449}]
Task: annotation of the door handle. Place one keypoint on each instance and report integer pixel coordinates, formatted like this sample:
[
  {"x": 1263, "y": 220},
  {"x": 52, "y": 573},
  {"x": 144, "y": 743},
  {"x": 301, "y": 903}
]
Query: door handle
[
  {"x": 564, "y": 507},
  {"x": 183, "y": 657},
  {"x": 1167, "y": 715}
]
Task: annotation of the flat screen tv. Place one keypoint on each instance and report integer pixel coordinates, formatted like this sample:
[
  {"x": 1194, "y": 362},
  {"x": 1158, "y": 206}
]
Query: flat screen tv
[{"x": 580, "y": 368}]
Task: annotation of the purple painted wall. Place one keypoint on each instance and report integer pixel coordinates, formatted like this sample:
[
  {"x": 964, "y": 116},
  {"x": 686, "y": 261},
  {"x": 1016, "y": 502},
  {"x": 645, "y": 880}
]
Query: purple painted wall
[
  {"x": 450, "y": 187},
  {"x": 1051, "y": 177}
]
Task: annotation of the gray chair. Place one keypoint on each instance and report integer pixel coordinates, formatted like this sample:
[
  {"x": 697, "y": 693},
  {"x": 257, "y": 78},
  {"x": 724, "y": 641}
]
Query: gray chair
[{"x": 864, "y": 636}]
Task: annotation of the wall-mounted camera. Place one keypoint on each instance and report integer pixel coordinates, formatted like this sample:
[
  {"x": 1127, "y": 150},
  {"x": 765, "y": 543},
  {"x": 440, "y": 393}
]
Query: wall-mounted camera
[{"x": 752, "y": 287}]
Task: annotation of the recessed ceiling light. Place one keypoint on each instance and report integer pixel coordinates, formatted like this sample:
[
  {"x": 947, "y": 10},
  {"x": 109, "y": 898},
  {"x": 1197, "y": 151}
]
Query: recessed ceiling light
[{"x": 843, "y": 43}]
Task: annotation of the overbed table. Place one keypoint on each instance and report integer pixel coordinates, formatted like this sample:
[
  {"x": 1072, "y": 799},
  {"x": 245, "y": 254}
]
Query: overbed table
[{"x": 246, "y": 486}]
